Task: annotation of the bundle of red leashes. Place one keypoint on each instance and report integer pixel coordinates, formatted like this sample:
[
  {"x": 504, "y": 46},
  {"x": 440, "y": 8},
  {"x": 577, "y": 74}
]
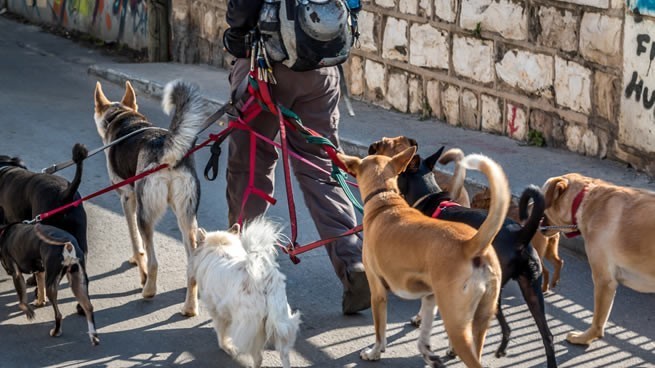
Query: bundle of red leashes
[{"x": 259, "y": 101}]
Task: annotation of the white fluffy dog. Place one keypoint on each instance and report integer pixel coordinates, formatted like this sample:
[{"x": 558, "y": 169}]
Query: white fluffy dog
[{"x": 243, "y": 290}]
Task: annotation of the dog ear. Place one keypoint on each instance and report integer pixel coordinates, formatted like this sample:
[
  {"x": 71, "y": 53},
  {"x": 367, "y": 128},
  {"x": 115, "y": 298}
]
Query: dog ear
[
  {"x": 431, "y": 161},
  {"x": 413, "y": 142},
  {"x": 129, "y": 99},
  {"x": 553, "y": 189},
  {"x": 401, "y": 160},
  {"x": 101, "y": 99},
  {"x": 414, "y": 164},
  {"x": 350, "y": 162},
  {"x": 235, "y": 229},
  {"x": 201, "y": 235},
  {"x": 373, "y": 148}
]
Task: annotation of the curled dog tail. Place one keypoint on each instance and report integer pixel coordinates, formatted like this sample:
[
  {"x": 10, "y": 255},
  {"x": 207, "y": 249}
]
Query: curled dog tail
[
  {"x": 259, "y": 238},
  {"x": 188, "y": 119},
  {"x": 457, "y": 183},
  {"x": 79, "y": 155},
  {"x": 500, "y": 198},
  {"x": 69, "y": 254},
  {"x": 539, "y": 204}
]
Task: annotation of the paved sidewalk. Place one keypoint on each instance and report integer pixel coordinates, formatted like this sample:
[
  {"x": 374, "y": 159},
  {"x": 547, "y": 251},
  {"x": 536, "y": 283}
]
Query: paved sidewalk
[{"x": 523, "y": 164}]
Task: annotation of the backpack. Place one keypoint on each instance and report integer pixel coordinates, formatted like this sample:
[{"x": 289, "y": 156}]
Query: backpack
[{"x": 308, "y": 34}]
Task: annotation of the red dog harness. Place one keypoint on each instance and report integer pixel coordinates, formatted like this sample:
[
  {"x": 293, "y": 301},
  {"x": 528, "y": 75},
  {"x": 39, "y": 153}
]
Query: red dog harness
[{"x": 442, "y": 206}]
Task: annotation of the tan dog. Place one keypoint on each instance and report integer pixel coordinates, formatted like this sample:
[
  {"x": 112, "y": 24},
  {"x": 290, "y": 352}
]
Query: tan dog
[
  {"x": 546, "y": 246},
  {"x": 618, "y": 229},
  {"x": 416, "y": 256},
  {"x": 392, "y": 146}
]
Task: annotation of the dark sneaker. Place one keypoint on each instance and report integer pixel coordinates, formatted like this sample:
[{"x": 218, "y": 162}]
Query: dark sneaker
[{"x": 358, "y": 296}]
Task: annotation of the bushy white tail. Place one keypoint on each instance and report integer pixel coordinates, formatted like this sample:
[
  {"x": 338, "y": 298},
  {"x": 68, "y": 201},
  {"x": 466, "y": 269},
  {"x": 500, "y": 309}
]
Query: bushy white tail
[
  {"x": 259, "y": 238},
  {"x": 189, "y": 117}
]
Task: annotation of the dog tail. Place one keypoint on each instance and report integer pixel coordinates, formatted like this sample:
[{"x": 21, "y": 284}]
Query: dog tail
[
  {"x": 188, "y": 119},
  {"x": 69, "y": 254},
  {"x": 455, "y": 155},
  {"x": 79, "y": 155},
  {"x": 533, "y": 193},
  {"x": 259, "y": 238},
  {"x": 500, "y": 198}
]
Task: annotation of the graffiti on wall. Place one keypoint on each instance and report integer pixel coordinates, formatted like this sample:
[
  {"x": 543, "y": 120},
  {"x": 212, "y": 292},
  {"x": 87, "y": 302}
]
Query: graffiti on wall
[
  {"x": 124, "y": 21},
  {"x": 642, "y": 6},
  {"x": 637, "y": 123}
]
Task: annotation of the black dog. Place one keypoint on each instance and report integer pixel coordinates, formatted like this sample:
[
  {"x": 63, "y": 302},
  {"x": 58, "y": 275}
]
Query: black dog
[
  {"x": 518, "y": 259},
  {"x": 25, "y": 194},
  {"x": 51, "y": 254}
]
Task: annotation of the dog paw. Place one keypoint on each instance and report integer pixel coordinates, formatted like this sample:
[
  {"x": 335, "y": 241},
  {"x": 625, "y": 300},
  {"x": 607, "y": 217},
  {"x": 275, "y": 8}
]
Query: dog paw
[
  {"x": 189, "y": 311},
  {"x": 370, "y": 353},
  {"x": 149, "y": 293},
  {"x": 94, "y": 339},
  {"x": 450, "y": 353},
  {"x": 416, "y": 321},
  {"x": 133, "y": 260},
  {"x": 500, "y": 353},
  {"x": 39, "y": 303},
  {"x": 55, "y": 332},
  {"x": 29, "y": 311}
]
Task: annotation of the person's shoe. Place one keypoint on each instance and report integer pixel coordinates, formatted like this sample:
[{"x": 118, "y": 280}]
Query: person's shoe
[{"x": 358, "y": 296}]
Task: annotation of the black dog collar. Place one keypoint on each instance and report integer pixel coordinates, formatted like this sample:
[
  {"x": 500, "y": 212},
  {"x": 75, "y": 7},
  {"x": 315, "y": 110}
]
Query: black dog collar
[{"x": 379, "y": 191}]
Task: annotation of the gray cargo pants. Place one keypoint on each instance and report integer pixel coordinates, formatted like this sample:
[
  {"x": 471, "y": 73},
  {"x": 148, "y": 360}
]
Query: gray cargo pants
[{"x": 314, "y": 96}]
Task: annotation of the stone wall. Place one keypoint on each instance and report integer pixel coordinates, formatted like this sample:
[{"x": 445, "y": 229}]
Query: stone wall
[
  {"x": 120, "y": 21},
  {"x": 572, "y": 74}
]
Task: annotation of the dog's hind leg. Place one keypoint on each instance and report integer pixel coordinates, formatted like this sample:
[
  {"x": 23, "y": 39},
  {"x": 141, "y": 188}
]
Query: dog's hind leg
[
  {"x": 79, "y": 286},
  {"x": 505, "y": 331},
  {"x": 457, "y": 316},
  {"x": 51, "y": 291},
  {"x": 40, "y": 289},
  {"x": 486, "y": 309},
  {"x": 534, "y": 298},
  {"x": 151, "y": 205},
  {"x": 185, "y": 204},
  {"x": 128, "y": 201},
  {"x": 428, "y": 307}
]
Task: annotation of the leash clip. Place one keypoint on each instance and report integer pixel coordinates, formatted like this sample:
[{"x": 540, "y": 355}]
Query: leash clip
[{"x": 32, "y": 221}]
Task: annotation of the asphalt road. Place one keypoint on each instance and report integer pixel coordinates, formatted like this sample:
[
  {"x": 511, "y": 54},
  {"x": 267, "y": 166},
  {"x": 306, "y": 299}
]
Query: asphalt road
[{"x": 46, "y": 105}]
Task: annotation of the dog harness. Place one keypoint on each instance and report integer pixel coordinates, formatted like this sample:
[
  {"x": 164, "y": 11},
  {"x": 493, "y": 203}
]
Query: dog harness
[
  {"x": 574, "y": 209},
  {"x": 442, "y": 206}
]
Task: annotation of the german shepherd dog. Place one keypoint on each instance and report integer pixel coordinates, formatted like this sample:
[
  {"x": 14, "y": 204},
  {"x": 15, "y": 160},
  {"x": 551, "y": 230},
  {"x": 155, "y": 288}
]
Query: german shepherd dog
[{"x": 145, "y": 201}]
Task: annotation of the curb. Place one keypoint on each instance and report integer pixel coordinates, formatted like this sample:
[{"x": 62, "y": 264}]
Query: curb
[{"x": 349, "y": 146}]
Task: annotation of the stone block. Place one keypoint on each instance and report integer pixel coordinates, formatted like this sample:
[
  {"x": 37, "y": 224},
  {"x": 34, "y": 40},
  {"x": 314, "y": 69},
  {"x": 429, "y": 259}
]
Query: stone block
[
  {"x": 357, "y": 83},
  {"x": 408, "y": 7},
  {"x": 433, "y": 97},
  {"x": 425, "y": 8},
  {"x": 473, "y": 58},
  {"x": 376, "y": 76},
  {"x": 527, "y": 71},
  {"x": 368, "y": 31},
  {"x": 600, "y": 39},
  {"x": 394, "y": 43},
  {"x": 607, "y": 89},
  {"x": 386, "y": 3},
  {"x": 558, "y": 29},
  {"x": 602, "y": 4},
  {"x": 416, "y": 95},
  {"x": 428, "y": 46},
  {"x": 550, "y": 126},
  {"x": 398, "y": 84},
  {"x": 470, "y": 112},
  {"x": 572, "y": 85},
  {"x": 450, "y": 104},
  {"x": 517, "y": 122},
  {"x": 506, "y": 17},
  {"x": 492, "y": 115},
  {"x": 209, "y": 26},
  {"x": 446, "y": 10}
]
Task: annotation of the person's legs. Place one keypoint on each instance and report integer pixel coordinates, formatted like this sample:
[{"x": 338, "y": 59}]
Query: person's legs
[
  {"x": 316, "y": 97},
  {"x": 238, "y": 167}
]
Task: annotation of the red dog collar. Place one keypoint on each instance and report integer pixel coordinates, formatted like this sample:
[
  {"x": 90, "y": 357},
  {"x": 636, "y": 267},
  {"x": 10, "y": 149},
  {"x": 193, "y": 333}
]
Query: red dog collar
[
  {"x": 574, "y": 210},
  {"x": 442, "y": 206}
]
